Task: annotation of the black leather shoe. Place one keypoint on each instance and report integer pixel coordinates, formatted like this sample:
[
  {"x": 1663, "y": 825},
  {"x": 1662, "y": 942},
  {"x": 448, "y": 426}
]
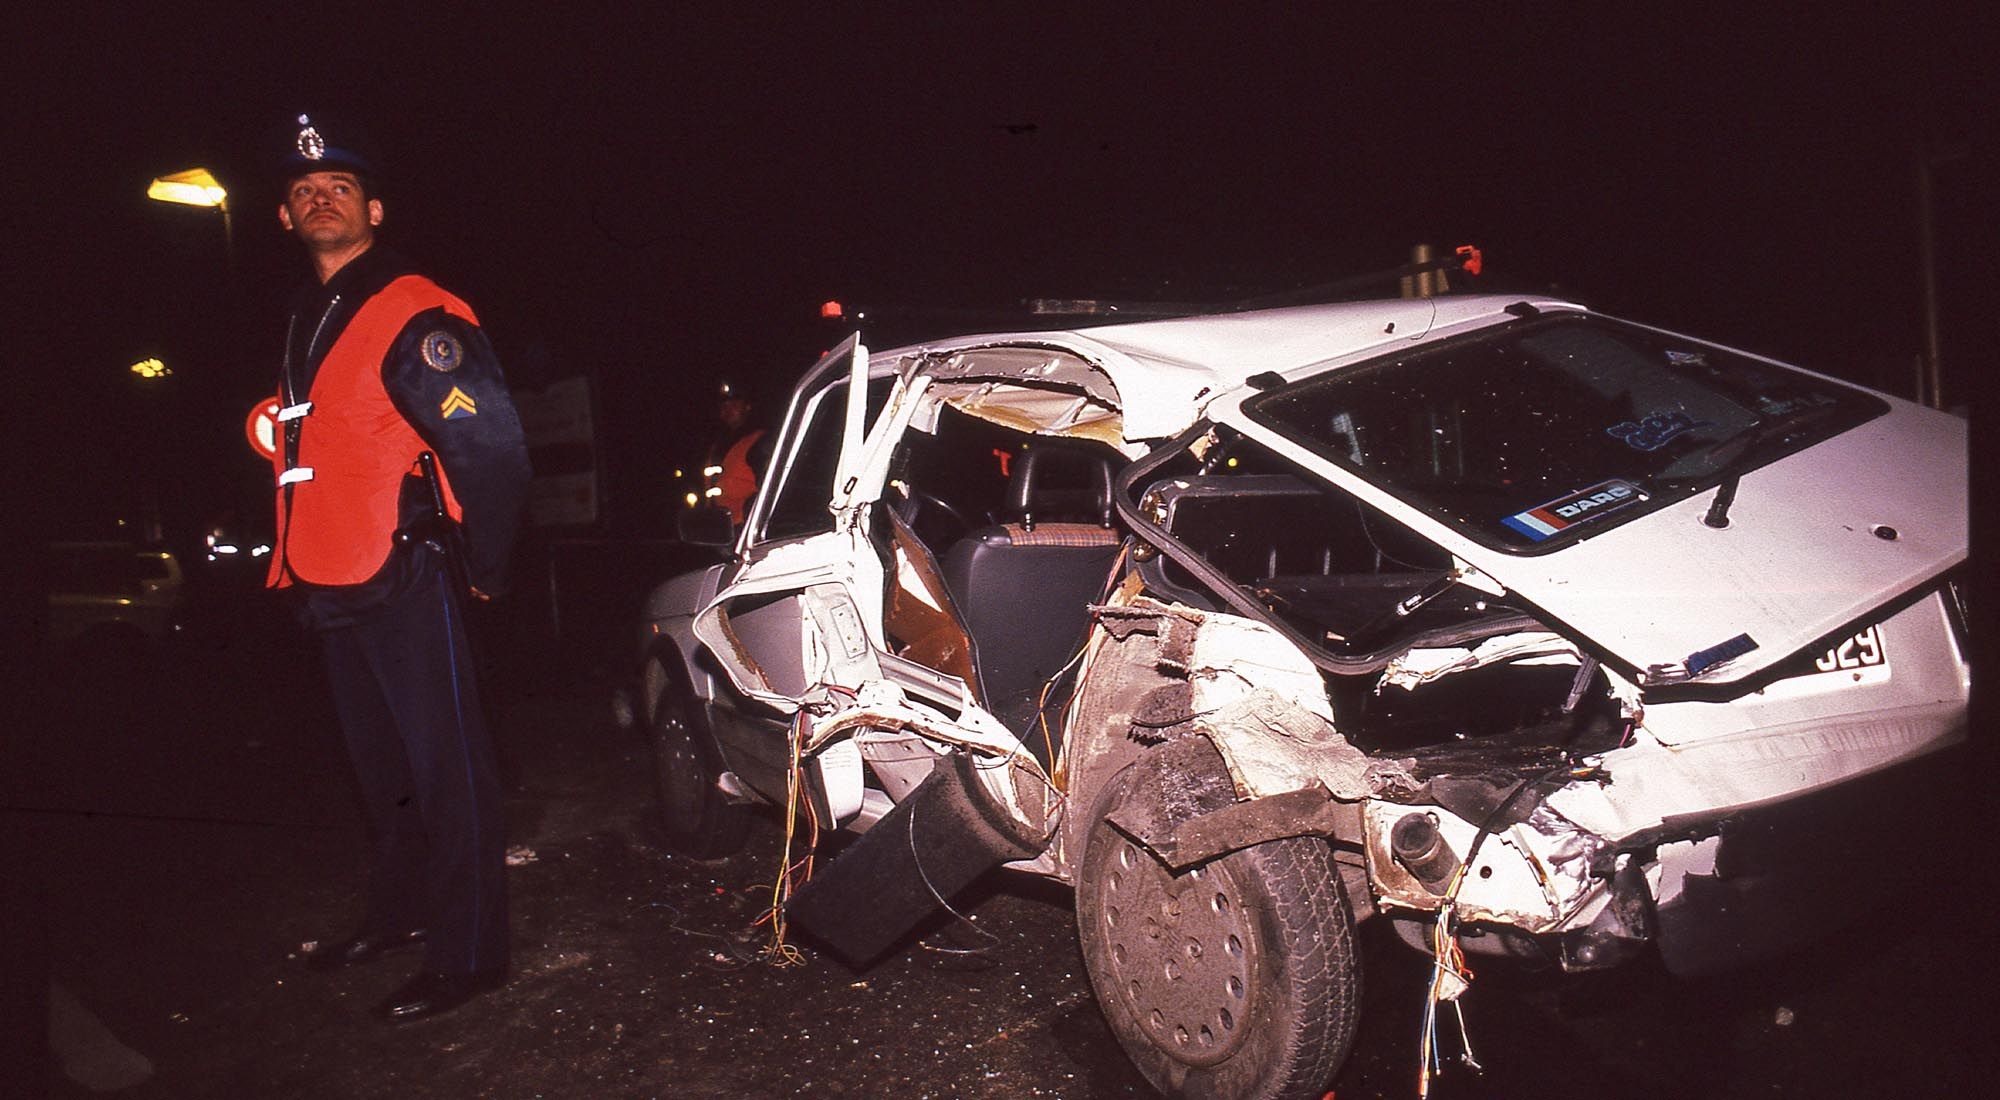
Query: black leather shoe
[
  {"x": 363, "y": 948},
  {"x": 430, "y": 993}
]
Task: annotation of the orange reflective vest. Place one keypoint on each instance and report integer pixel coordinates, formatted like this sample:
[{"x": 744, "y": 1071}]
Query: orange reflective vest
[
  {"x": 739, "y": 479},
  {"x": 338, "y": 504}
]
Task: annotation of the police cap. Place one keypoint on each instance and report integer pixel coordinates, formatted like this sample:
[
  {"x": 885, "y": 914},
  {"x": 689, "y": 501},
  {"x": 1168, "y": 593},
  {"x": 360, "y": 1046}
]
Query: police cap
[{"x": 312, "y": 142}]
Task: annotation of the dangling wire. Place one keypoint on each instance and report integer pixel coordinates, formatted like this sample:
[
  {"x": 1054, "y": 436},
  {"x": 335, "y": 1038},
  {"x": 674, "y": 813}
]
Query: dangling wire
[
  {"x": 916, "y": 860},
  {"x": 1450, "y": 976},
  {"x": 1042, "y": 705},
  {"x": 778, "y": 952},
  {"x": 1042, "y": 700},
  {"x": 794, "y": 873}
]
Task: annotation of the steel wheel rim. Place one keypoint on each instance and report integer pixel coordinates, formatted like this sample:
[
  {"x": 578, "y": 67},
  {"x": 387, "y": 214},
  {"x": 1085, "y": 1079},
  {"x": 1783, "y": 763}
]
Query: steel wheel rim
[
  {"x": 682, "y": 783},
  {"x": 1181, "y": 953}
]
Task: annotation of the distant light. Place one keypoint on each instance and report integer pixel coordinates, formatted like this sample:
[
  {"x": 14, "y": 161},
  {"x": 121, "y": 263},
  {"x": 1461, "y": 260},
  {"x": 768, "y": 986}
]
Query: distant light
[
  {"x": 712, "y": 491},
  {"x": 225, "y": 548},
  {"x": 711, "y": 471},
  {"x": 194, "y": 187},
  {"x": 679, "y": 473},
  {"x": 1231, "y": 463},
  {"x": 831, "y": 309},
  {"x": 150, "y": 368},
  {"x": 693, "y": 500},
  {"x": 259, "y": 550}
]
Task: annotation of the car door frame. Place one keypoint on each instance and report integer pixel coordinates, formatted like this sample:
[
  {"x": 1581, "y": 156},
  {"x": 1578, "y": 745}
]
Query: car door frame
[{"x": 814, "y": 605}]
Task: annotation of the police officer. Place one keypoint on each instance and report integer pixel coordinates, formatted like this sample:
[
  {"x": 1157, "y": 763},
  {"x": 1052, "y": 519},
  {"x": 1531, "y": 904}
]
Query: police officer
[{"x": 381, "y": 366}]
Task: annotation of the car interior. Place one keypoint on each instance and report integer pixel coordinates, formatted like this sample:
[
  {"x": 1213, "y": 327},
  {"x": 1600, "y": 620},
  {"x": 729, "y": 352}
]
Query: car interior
[{"x": 1004, "y": 540}]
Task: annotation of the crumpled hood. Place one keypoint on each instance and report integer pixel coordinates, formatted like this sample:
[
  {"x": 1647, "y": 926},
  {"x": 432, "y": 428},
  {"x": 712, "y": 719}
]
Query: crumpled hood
[{"x": 1808, "y": 552}]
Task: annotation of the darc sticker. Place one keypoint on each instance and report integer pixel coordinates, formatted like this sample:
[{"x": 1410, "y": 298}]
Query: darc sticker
[{"x": 1558, "y": 515}]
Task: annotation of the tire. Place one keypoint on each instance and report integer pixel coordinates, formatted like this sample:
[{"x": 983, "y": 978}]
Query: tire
[
  {"x": 1236, "y": 979},
  {"x": 695, "y": 817}
]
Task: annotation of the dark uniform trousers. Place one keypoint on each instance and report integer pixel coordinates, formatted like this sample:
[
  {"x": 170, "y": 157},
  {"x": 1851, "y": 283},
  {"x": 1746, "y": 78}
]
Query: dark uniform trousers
[{"x": 407, "y": 694}]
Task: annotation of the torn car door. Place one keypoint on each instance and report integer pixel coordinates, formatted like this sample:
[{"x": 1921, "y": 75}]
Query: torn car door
[
  {"x": 800, "y": 623},
  {"x": 802, "y": 612},
  {"x": 801, "y": 628}
]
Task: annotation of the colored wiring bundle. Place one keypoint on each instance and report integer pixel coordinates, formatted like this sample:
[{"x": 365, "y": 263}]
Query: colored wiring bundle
[
  {"x": 1450, "y": 976},
  {"x": 791, "y": 873}
]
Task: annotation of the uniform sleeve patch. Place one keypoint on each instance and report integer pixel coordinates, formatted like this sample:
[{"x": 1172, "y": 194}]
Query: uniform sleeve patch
[
  {"x": 442, "y": 351},
  {"x": 458, "y": 404}
]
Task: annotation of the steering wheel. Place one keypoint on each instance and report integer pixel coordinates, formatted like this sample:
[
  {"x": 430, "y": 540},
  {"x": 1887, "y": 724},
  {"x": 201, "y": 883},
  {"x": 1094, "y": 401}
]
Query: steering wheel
[{"x": 921, "y": 502}]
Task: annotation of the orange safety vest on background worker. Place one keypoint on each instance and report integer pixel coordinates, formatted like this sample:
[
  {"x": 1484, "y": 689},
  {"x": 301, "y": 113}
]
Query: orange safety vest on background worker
[{"x": 738, "y": 480}]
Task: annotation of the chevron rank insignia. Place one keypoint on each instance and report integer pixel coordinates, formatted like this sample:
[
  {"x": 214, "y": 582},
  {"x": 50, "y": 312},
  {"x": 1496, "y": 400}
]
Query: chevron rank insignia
[{"x": 458, "y": 404}]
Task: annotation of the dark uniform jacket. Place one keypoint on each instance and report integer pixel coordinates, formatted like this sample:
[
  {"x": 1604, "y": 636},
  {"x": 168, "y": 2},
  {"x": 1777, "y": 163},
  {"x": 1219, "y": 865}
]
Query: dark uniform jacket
[{"x": 440, "y": 374}]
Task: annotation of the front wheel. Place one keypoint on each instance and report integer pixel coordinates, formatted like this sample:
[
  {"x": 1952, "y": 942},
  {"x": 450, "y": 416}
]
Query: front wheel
[
  {"x": 1230, "y": 981},
  {"x": 696, "y": 818}
]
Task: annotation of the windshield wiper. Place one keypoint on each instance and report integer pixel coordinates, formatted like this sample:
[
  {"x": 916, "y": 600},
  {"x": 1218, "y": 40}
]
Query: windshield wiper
[
  {"x": 1726, "y": 457},
  {"x": 1717, "y": 515},
  {"x": 1723, "y": 455}
]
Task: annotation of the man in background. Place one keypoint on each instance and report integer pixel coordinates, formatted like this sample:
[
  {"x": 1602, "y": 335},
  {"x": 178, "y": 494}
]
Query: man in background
[{"x": 737, "y": 456}]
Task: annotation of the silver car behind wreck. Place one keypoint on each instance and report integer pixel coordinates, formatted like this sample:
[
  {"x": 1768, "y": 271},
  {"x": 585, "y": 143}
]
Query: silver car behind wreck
[{"x": 1527, "y": 629}]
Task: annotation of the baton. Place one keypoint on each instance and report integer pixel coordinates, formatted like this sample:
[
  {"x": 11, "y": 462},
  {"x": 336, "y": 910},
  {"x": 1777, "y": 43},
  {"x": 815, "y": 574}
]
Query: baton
[{"x": 443, "y": 534}]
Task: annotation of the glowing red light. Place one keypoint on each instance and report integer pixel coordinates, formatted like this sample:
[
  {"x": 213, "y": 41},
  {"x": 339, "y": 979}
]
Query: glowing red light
[{"x": 831, "y": 309}]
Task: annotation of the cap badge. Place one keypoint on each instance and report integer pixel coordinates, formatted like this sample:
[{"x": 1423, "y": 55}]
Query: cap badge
[{"x": 310, "y": 145}]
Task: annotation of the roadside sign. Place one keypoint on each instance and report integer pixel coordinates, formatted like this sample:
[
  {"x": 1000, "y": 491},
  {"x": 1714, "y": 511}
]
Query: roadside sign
[{"x": 561, "y": 435}]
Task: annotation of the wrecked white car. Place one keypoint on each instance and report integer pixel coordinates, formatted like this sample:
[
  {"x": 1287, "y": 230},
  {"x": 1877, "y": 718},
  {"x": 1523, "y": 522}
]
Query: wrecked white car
[{"x": 1529, "y": 630}]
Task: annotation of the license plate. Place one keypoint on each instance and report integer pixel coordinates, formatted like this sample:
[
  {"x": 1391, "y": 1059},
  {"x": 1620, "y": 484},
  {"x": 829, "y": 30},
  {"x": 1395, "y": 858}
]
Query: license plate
[{"x": 1860, "y": 651}]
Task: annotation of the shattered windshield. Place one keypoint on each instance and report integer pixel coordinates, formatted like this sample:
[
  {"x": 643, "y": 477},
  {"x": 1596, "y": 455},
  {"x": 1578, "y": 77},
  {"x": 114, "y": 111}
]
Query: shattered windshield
[{"x": 1537, "y": 434}]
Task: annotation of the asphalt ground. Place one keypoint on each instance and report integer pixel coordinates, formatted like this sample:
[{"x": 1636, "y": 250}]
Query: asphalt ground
[{"x": 180, "y": 825}]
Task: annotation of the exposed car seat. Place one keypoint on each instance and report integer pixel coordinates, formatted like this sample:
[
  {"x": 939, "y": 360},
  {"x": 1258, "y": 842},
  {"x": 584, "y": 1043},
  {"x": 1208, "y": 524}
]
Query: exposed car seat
[
  {"x": 922, "y": 617},
  {"x": 1025, "y": 587}
]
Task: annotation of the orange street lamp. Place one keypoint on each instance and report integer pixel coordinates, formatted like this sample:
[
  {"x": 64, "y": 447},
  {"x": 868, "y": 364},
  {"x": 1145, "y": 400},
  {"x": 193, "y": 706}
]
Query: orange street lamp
[{"x": 195, "y": 187}]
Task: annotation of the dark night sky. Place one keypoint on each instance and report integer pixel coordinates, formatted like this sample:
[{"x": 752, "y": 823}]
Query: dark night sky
[{"x": 658, "y": 201}]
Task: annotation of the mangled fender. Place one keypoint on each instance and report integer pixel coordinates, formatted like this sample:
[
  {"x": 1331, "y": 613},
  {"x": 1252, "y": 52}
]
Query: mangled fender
[{"x": 1248, "y": 749}]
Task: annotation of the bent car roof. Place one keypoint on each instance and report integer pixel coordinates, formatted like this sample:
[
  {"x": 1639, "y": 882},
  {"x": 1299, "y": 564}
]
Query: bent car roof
[
  {"x": 1167, "y": 370},
  {"x": 1799, "y": 566}
]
